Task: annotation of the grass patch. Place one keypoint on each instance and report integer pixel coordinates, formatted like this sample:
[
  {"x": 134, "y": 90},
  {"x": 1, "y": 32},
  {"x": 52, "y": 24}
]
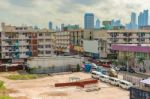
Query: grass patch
[
  {"x": 3, "y": 91},
  {"x": 5, "y": 97},
  {"x": 23, "y": 76},
  {"x": 2, "y": 87}
]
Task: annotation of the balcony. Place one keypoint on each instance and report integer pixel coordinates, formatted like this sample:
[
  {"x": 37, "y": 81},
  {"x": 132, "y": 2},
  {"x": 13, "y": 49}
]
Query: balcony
[{"x": 23, "y": 56}]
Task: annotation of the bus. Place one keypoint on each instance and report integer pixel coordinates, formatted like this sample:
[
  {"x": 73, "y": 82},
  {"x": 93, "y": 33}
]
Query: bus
[
  {"x": 96, "y": 74},
  {"x": 125, "y": 84},
  {"x": 104, "y": 78},
  {"x": 113, "y": 81}
]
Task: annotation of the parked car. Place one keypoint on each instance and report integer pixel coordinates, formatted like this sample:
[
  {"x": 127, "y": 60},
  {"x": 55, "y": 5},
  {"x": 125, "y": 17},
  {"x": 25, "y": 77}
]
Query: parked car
[
  {"x": 131, "y": 70},
  {"x": 123, "y": 69},
  {"x": 115, "y": 68}
]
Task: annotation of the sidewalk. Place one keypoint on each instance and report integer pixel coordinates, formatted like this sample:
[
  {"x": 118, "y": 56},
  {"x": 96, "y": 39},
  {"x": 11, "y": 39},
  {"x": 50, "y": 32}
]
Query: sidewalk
[{"x": 147, "y": 74}]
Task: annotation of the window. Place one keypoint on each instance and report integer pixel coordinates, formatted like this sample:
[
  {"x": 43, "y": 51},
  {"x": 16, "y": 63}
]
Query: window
[
  {"x": 142, "y": 39},
  {"x": 41, "y": 40},
  {"x": 40, "y": 46},
  {"x": 125, "y": 34},
  {"x": 48, "y": 34},
  {"x": 40, "y": 34},
  {"x": 48, "y": 40},
  {"x": 90, "y": 37},
  {"x": 47, "y": 46},
  {"x": 142, "y": 34},
  {"x": 82, "y": 36},
  {"x": 41, "y": 52},
  {"x": 48, "y": 52}
]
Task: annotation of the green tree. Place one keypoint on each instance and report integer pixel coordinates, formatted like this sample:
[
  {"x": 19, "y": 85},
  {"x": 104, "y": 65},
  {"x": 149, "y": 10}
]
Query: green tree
[
  {"x": 141, "y": 60},
  {"x": 78, "y": 67},
  {"x": 127, "y": 59},
  {"x": 115, "y": 62}
]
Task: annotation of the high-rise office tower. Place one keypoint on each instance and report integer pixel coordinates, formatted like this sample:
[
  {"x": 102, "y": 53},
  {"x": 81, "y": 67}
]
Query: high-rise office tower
[
  {"x": 133, "y": 18},
  {"x": 50, "y": 25},
  {"x": 115, "y": 23},
  {"x": 133, "y": 24},
  {"x": 62, "y": 26},
  {"x": 145, "y": 15},
  {"x": 89, "y": 21},
  {"x": 140, "y": 19},
  {"x": 143, "y": 18},
  {"x": 97, "y": 26}
]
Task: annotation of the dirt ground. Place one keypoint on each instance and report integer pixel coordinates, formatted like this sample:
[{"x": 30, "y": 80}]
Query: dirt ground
[{"x": 43, "y": 88}]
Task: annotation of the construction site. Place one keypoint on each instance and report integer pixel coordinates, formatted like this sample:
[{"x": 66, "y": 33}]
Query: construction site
[{"x": 65, "y": 86}]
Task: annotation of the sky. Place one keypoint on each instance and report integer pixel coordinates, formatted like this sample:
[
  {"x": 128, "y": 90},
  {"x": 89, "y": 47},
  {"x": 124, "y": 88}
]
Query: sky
[{"x": 40, "y": 12}]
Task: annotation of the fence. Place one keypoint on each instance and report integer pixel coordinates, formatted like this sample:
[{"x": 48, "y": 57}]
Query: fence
[
  {"x": 136, "y": 93},
  {"x": 54, "y": 69},
  {"x": 10, "y": 68}
]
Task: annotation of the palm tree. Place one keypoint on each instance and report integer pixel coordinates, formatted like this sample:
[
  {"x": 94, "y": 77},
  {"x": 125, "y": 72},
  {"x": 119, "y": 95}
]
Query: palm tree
[
  {"x": 127, "y": 59},
  {"x": 141, "y": 60},
  {"x": 115, "y": 63}
]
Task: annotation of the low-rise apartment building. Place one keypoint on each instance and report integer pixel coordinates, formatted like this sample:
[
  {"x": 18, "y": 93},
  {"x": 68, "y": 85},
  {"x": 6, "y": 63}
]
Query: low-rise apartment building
[
  {"x": 62, "y": 42},
  {"x": 127, "y": 37},
  {"x": 45, "y": 42},
  {"x": 76, "y": 40},
  {"x": 134, "y": 52},
  {"x": 97, "y": 38},
  {"x": 21, "y": 42}
]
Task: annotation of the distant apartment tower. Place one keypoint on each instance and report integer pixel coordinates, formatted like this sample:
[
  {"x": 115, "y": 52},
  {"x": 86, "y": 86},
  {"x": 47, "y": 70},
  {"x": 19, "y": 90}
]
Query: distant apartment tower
[
  {"x": 97, "y": 26},
  {"x": 50, "y": 25},
  {"x": 143, "y": 18},
  {"x": 89, "y": 21}
]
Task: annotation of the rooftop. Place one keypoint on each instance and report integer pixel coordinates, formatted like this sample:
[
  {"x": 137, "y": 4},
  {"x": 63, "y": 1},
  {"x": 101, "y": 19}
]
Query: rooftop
[
  {"x": 131, "y": 48},
  {"x": 146, "y": 81}
]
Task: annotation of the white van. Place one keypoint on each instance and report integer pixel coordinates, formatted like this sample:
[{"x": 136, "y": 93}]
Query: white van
[
  {"x": 114, "y": 81},
  {"x": 125, "y": 84},
  {"x": 104, "y": 78},
  {"x": 96, "y": 74}
]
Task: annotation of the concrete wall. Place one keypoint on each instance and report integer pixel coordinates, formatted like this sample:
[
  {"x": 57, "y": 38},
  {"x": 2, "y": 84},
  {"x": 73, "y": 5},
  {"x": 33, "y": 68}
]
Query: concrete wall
[
  {"x": 56, "y": 69},
  {"x": 53, "y": 62},
  {"x": 147, "y": 65},
  {"x": 91, "y": 46}
]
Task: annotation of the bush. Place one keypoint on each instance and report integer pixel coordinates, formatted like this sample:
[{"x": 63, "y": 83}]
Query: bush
[{"x": 78, "y": 68}]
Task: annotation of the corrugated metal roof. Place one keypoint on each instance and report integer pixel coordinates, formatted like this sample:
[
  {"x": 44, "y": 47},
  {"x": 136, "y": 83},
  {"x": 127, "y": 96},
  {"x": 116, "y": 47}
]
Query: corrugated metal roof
[{"x": 146, "y": 81}]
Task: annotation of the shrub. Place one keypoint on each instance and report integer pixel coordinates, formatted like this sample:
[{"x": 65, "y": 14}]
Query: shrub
[{"x": 78, "y": 68}]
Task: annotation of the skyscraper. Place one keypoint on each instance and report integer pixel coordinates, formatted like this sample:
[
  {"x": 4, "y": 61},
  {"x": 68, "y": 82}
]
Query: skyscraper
[
  {"x": 145, "y": 15},
  {"x": 133, "y": 18},
  {"x": 89, "y": 21},
  {"x": 62, "y": 26},
  {"x": 50, "y": 25},
  {"x": 140, "y": 19},
  {"x": 115, "y": 23},
  {"x": 133, "y": 24},
  {"x": 143, "y": 18},
  {"x": 97, "y": 26}
]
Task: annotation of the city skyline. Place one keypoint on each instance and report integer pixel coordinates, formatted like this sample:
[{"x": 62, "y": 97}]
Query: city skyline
[{"x": 39, "y": 12}]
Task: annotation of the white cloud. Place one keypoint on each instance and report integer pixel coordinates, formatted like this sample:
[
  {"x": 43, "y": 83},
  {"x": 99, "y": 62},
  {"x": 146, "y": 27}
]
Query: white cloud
[{"x": 39, "y": 12}]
